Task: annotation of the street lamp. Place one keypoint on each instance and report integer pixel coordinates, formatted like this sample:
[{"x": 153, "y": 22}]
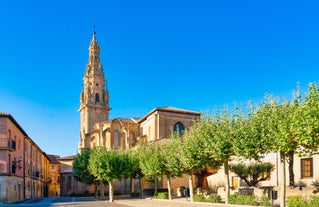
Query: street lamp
[{"x": 17, "y": 163}]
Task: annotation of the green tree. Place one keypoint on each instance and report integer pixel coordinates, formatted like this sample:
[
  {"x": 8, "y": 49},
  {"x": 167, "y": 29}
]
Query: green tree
[
  {"x": 308, "y": 136},
  {"x": 173, "y": 166},
  {"x": 109, "y": 165},
  {"x": 151, "y": 162},
  {"x": 252, "y": 132},
  {"x": 279, "y": 125},
  {"x": 221, "y": 141},
  {"x": 296, "y": 129},
  {"x": 135, "y": 170},
  {"x": 196, "y": 153},
  {"x": 284, "y": 134},
  {"x": 80, "y": 167},
  {"x": 252, "y": 173}
]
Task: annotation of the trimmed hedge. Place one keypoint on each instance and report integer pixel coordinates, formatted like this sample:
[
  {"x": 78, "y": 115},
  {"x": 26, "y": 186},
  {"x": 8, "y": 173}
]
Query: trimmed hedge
[
  {"x": 213, "y": 198},
  {"x": 264, "y": 201},
  {"x": 161, "y": 195},
  {"x": 199, "y": 198},
  {"x": 300, "y": 201},
  {"x": 249, "y": 200}
]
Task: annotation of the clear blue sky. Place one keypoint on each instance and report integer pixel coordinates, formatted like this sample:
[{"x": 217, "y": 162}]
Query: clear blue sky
[{"x": 187, "y": 54}]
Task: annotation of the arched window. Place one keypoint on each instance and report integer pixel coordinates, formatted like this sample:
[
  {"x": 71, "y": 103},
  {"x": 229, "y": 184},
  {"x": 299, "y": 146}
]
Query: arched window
[
  {"x": 179, "y": 128},
  {"x": 131, "y": 138},
  {"x": 116, "y": 140},
  {"x": 97, "y": 98}
]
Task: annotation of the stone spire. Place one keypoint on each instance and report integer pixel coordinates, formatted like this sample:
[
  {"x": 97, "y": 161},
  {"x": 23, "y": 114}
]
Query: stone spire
[
  {"x": 94, "y": 65},
  {"x": 94, "y": 99}
]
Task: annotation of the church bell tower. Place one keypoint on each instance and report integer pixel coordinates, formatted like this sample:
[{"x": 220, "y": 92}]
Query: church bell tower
[{"x": 94, "y": 99}]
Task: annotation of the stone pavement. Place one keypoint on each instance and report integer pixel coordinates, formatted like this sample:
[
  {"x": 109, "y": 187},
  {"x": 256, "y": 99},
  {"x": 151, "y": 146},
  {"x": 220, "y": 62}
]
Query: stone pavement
[
  {"x": 121, "y": 201},
  {"x": 178, "y": 202}
]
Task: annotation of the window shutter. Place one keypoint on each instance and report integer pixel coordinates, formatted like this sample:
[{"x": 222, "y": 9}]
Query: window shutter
[
  {"x": 311, "y": 167},
  {"x": 302, "y": 168}
]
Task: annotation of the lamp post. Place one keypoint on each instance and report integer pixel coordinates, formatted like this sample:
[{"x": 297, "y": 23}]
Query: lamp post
[{"x": 17, "y": 163}]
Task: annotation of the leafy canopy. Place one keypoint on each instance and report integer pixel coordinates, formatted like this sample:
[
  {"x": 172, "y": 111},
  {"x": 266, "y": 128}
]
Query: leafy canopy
[{"x": 80, "y": 167}]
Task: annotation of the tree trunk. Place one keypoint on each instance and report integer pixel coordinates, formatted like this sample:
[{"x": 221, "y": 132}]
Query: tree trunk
[
  {"x": 282, "y": 180},
  {"x": 141, "y": 189},
  {"x": 291, "y": 169},
  {"x": 111, "y": 193},
  {"x": 132, "y": 186},
  {"x": 191, "y": 190},
  {"x": 226, "y": 168},
  {"x": 169, "y": 187},
  {"x": 96, "y": 190},
  {"x": 155, "y": 184},
  {"x": 101, "y": 190},
  {"x": 199, "y": 176},
  {"x": 87, "y": 187}
]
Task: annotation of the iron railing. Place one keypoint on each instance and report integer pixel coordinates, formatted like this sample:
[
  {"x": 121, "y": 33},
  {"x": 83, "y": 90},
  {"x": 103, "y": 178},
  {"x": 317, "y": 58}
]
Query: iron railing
[{"x": 7, "y": 144}]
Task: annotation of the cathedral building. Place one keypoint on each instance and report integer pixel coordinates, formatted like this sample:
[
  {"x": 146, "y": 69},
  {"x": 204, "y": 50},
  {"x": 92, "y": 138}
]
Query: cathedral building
[{"x": 96, "y": 129}]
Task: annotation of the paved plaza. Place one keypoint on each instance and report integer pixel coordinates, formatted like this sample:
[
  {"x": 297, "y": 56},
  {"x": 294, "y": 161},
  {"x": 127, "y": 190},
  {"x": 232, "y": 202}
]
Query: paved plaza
[
  {"x": 119, "y": 202},
  {"x": 182, "y": 202}
]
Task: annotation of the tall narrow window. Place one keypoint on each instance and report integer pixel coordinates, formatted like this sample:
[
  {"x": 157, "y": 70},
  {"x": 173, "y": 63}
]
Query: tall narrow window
[
  {"x": 131, "y": 138},
  {"x": 306, "y": 168},
  {"x": 179, "y": 128},
  {"x": 97, "y": 98},
  {"x": 69, "y": 183},
  {"x": 116, "y": 139}
]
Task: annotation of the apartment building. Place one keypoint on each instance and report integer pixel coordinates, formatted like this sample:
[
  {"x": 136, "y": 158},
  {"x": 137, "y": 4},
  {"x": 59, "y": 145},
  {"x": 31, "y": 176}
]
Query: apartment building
[
  {"x": 54, "y": 171},
  {"x": 23, "y": 165}
]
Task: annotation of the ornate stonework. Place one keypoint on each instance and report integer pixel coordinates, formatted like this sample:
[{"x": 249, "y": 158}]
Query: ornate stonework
[
  {"x": 96, "y": 128},
  {"x": 94, "y": 99}
]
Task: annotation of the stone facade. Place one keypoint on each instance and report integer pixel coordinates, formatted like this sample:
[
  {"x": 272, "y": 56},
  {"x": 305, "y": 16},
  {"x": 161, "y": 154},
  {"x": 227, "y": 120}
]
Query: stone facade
[
  {"x": 305, "y": 170},
  {"x": 160, "y": 122},
  {"x": 96, "y": 129},
  {"x": 69, "y": 185},
  {"x": 54, "y": 173},
  {"x": 94, "y": 99}
]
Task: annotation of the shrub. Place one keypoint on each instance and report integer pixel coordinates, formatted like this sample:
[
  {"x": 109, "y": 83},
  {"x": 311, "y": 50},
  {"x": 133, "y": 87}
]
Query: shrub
[
  {"x": 264, "y": 201},
  {"x": 314, "y": 201},
  {"x": 199, "y": 198},
  {"x": 232, "y": 199},
  {"x": 214, "y": 198},
  {"x": 161, "y": 195},
  {"x": 242, "y": 199},
  {"x": 296, "y": 201}
]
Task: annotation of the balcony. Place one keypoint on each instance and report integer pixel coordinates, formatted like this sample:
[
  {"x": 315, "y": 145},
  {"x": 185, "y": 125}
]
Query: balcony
[
  {"x": 7, "y": 169},
  {"x": 7, "y": 144}
]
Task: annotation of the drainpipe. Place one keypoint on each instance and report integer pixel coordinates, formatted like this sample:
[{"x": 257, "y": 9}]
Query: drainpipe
[
  {"x": 24, "y": 167},
  {"x": 277, "y": 166},
  {"x": 31, "y": 164}
]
